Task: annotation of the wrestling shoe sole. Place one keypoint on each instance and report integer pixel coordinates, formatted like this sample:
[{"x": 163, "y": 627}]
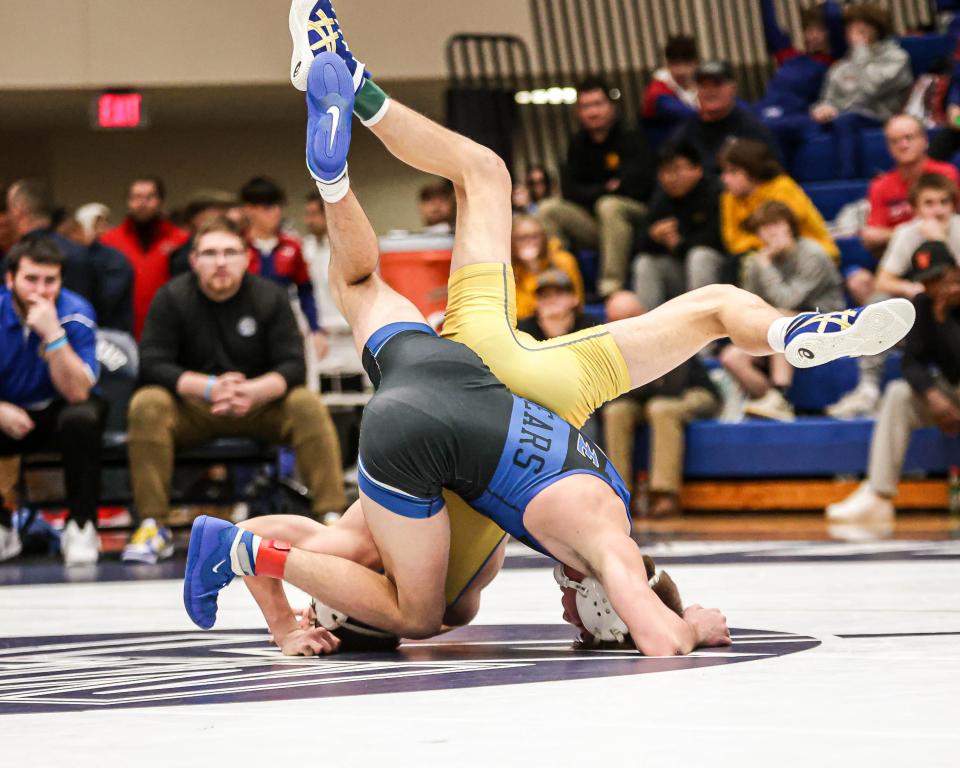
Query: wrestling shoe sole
[{"x": 878, "y": 328}]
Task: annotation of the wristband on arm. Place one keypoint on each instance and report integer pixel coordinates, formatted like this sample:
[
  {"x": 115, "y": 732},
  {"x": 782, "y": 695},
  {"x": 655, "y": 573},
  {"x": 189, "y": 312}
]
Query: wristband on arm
[
  {"x": 56, "y": 344},
  {"x": 208, "y": 389}
]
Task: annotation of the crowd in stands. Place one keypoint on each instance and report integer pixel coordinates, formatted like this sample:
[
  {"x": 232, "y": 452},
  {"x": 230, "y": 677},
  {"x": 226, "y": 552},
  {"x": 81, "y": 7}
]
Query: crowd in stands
[{"x": 230, "y": 309}]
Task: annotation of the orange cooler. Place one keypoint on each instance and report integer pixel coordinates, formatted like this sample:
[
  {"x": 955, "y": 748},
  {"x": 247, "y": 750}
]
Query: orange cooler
[{"x": 417, "y": 266}]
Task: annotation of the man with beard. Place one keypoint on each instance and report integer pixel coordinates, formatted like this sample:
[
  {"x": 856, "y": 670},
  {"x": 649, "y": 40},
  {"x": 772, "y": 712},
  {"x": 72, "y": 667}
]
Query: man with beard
[{"x": 147, "y": 239}]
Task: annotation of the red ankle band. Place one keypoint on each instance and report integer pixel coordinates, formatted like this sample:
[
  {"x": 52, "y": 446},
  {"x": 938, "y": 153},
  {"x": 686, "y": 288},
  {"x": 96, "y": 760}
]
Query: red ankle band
[{"x": 272, "y": 558}]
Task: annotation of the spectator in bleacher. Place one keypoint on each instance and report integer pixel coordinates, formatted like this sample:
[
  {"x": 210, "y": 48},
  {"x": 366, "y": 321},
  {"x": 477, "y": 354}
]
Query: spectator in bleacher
[
  {"x": 94, "y": 219},
  {"x": 48, "y": 368},
  {"x": 534, "y": 254},
  {"x": 719, "y": 117},
  {"x": 221, "y": 356},
  {"x": 8, "y": 234},
  {"x": 798, "y": 79},
  {"x": 933, "y": 199},
  {"x": 204, "y": 207},
  {"x": 671, "y": 96},
  {"x": 794, "y": 274},
  {"x": 946, "y": 144},
  {"x": 889, "y": 194},
  {"x": 751, "y": 176},
  {"x": 928, "y": 394},
  {"x": 668, "y": 404},
  {"x": 536, "y": 187},
  {"x": 438, "y": 208},
  {"x": 114, "y": 306},
  {"x": 276, "y": 255},
  {"x": 97, "y": 273},
  {"x": 681, "y": 249},
  {"x": 866, "y": 87},
  {"x": 558, "y": 307},
  {"x": 606, "y": 181},
  {"x": 147, "y": 238}
]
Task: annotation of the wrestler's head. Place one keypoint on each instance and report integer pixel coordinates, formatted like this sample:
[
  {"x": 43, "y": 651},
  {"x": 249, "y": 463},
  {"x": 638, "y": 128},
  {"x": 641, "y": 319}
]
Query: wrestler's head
[{"x": 581, "y": 594}]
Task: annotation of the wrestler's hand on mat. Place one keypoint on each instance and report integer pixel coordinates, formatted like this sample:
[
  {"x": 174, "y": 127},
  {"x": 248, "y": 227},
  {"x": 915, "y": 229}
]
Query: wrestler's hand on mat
[
  {"x": 306, "y": 618},
  {"x": 309, "y": 642},
  {"x": 709, "y": 625}
]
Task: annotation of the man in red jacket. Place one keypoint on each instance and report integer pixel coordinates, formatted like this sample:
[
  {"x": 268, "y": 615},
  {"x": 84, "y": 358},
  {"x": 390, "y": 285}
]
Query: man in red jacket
[{"x": 147, "y": 239}]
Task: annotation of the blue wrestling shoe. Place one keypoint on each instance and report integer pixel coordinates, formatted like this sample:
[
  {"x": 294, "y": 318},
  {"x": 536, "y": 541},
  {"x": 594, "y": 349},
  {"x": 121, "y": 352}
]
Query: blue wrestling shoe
[
  {"x": 814, "y": 339},
  {"x": 208, "y": 568},
  {"x": 329, "y": 119},
  {"x": 315, "y": 28}
]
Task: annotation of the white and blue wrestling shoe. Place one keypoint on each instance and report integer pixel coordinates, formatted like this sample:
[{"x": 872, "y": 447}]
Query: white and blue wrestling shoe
[
  {"x": 329, "y": 124},
  {"x": 813, "y": 338},
  {"x": 209, "y": 566},
  {"x": 315, "y": 29}
]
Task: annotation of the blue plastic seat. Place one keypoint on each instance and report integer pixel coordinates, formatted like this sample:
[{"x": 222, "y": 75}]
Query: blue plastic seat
[{"x": 831, "y": 196}]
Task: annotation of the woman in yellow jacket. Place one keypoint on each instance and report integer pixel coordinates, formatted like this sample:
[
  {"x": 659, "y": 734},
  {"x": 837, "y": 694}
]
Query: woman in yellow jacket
[
  {"x": 533, "y": 253},
  {"x": 751, "y": 176}
]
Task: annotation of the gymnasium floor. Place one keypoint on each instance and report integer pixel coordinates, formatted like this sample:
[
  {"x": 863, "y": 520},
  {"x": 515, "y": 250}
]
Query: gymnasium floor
[{"x": 845, "y": 652}]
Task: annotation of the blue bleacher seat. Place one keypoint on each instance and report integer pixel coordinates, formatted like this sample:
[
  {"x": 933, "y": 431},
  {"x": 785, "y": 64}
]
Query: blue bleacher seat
[
  {"x": 816, "y": 160},
  {"x": 808, "y": 447},
  {"x": 874, "y": 157},
  {"x": 925, "y": 49},
  {"x": 589, "y": 262},
  {"x": 830, "y": 196},
  {"x": 853, "y": 254},
  {"x": 813, "y": 389}
]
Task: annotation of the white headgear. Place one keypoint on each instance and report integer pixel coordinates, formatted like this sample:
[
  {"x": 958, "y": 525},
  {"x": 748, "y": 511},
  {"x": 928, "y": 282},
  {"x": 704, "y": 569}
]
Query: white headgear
[{"x": 593, "y": 605}]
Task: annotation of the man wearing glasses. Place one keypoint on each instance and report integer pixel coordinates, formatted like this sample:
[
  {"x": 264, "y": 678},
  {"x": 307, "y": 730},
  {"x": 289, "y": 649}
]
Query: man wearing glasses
[{"x": 221, "y": 356}]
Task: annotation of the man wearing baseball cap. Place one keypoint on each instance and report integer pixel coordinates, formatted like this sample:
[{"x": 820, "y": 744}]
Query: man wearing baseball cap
[
  {"x": 719, "y": 118},
  {"x": 557, "y": 308},
  {"x": 928, "y": 394}
]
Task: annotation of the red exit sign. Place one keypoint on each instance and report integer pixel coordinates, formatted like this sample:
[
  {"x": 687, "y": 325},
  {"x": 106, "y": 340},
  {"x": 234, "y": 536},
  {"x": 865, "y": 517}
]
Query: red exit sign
[{"x": 120, "y": 110}]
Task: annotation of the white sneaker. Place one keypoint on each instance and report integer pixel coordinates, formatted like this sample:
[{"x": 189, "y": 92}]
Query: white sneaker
[
  {"x": 10, "y": 544},
  {"x": 772, "y": 405},
  {"x": 80, "y": 546},
  {"x": 858, "y": 403},
  {"x": 863, "y": 505},
  {"x": 314, "y": 27},
  {"x": 149, "y": 544}
]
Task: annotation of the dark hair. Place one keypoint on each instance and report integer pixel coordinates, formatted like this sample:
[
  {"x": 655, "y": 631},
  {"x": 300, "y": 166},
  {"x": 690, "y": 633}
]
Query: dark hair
[
  {"x": 314, "y": 197},
  {"x": 869, "y": 13},
  {"x": 771, "y": 212},
  {"x": 675, "y": 150},
  {"x": 218, "y": 224},
  {"x": 441, "y": 188},
  {"x": 814, "y": 16},
  {"x": 157, "y": 183},
  {"x": 32, "y": 194},
  {"x": 681, "y": 48},
  {"x": 262, "y": 190},
  {"x": 542, "y": 169},
  {"x": 593, "y": 84},
  {"x": 40, "y": 249},
  {"x": 753, "y": 157},
  {"x": 932, "y": 181}
]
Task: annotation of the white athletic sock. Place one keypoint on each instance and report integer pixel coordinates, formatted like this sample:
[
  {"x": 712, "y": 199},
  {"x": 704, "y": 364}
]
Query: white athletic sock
[
  {"x": 335, "y": 191},
  {"x": 776, "y": 333},
  {"x": 240, "y": 562}
]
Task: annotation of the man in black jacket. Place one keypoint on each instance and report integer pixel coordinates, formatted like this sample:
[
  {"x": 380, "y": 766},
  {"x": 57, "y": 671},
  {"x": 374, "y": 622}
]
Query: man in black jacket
[
  {"x": 719, "y": 118},
  {"x": 928, "y": 394},
  {"x": 221, "y": 356},
  {"x": 681, "y": 249},
  {"x": 606, "y": 182}
]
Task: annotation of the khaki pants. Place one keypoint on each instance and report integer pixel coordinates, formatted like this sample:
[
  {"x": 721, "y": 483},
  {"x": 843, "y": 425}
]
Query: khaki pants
[
  {"x": 159, "y": 422},
  {"x": 667, "y": 417},
  {"x": 901, "y": 412},
  {"x": 608, "y": 227}
]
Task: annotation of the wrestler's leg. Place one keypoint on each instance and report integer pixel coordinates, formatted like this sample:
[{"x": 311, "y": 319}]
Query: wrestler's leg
[
  {"x": 479, "y": 176},
  {"x": 665, "y": 337},
  {"x": 408, "y": 599}
]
